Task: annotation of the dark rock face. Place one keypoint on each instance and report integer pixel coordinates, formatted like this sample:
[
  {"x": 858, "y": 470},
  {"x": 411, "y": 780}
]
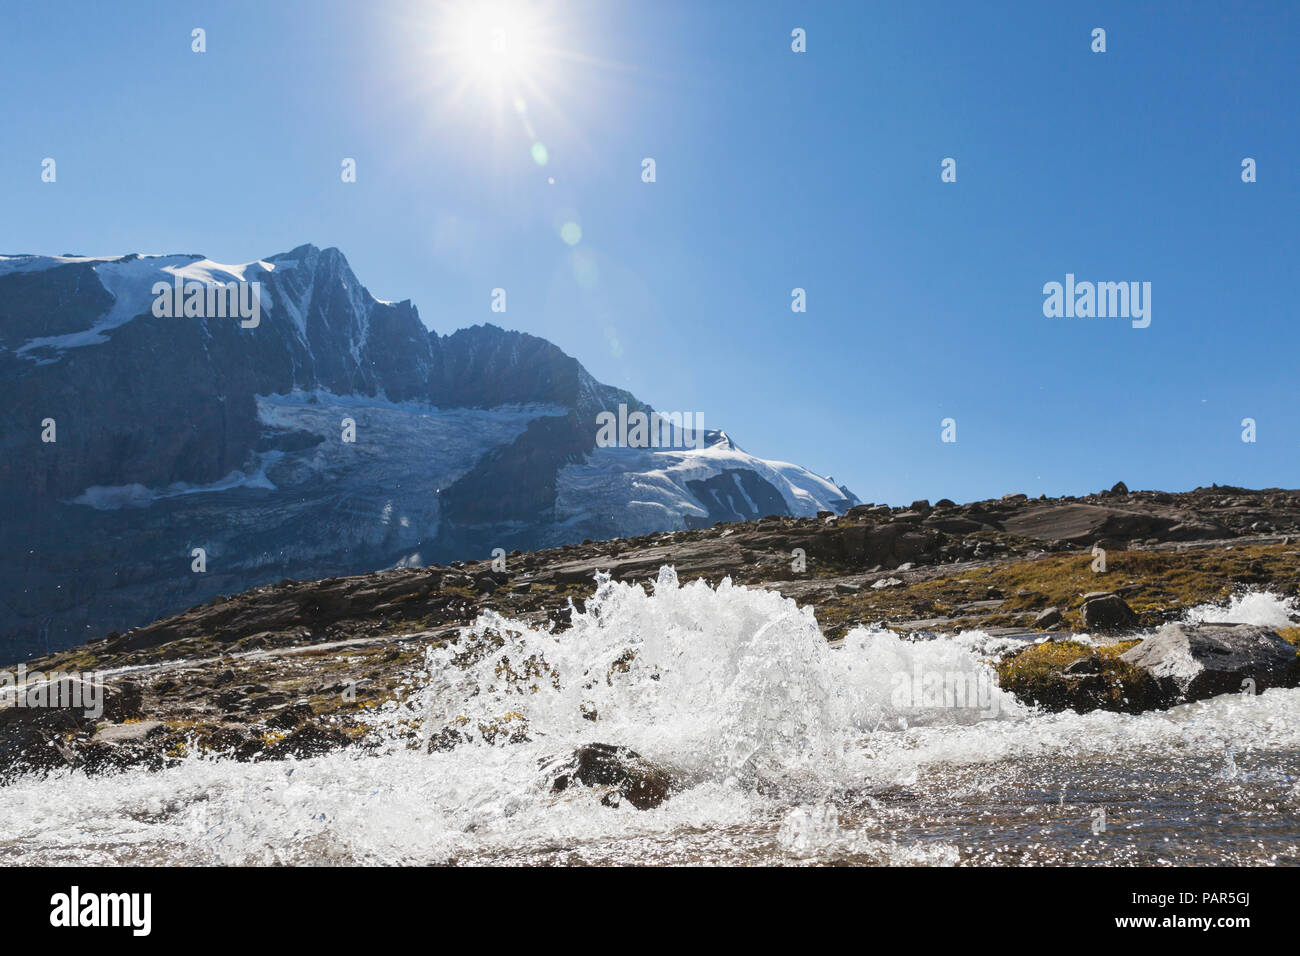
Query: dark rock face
[
  {"x": 1195, "y": 661},
  {"x": 734, "y": 495},
  {"x": 624, "y": 774},
  {"x": 176, "y": 433},
  {"x": 310, "y": 741},
  {"x": 1103, "y": 611}
]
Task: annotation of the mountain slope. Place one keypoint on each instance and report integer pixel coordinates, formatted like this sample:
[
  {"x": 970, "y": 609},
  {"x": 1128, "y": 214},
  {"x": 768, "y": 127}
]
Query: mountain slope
[{"x": 330, "y": 434}]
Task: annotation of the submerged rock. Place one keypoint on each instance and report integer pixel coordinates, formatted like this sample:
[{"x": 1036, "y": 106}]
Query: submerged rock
[
  {"x": 623, "y": 773},
  {"x": 1195, "y": 661}
]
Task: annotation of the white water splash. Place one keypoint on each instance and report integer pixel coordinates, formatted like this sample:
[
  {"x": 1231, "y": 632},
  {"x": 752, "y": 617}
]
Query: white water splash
[
  {"x": 733, "y": 690},
  {"x": 1250, "y": 607}
]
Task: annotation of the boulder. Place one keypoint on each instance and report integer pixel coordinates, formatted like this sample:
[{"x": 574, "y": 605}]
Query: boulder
[
  {"x": 622, "y": 773},
  {"x": 1048, "y": 617},
  {"x": 1196, "y": 661},
  {"x": 1106, "y": 611}
]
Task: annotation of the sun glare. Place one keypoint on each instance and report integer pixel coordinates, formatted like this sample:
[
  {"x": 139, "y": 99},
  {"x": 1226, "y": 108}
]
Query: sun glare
[
  {"x": 514, "y": 69},
  {"x": 493, "y": 42}
]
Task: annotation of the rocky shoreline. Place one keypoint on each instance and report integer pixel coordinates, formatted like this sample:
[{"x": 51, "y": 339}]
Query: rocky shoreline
[{"x": 294, "y": 670}]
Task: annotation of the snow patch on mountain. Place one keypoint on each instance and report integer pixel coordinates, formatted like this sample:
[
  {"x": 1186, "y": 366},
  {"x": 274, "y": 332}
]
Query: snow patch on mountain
[
  {"x": 129, "y": 280},
  {"x": 208, "y": 272},
  {"x": 12, "y": 264},
  {"x": 135, "y": 495},
  {"x": 641, "y": 491}
]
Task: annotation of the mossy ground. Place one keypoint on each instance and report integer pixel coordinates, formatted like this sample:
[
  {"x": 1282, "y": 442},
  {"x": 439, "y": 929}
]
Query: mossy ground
[
  {"x": 1158, "y": 585},
  {"x": 1037, "y": 674}
]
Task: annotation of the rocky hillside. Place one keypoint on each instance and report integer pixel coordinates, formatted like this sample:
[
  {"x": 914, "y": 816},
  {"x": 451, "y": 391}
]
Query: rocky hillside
[
  {"x": 334, "y": 434},
  {"x": 293, "y": 668}
]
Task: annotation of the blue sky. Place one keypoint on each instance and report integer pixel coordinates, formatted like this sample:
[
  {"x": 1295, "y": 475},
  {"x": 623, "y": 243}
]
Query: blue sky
[{"x": 774, "y": 170}]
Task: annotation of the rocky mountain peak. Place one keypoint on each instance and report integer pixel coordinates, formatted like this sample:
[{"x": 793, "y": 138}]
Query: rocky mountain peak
[{"x": 331, "y": 433}]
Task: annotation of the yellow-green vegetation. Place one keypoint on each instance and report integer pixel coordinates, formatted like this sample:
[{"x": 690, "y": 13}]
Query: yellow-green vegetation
[
  {"x": 1050, "y": 657},
  {"x": 78, "y": 659},
  {"x": 1292, "y": 636},
  {"x": 1037, "y": 674},
  {"x": 467, "y": 593},
  {"x": 1158, "y": 585}
]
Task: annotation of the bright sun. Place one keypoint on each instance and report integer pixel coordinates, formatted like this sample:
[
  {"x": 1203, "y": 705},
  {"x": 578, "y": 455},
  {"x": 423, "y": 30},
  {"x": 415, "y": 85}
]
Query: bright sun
[
  {"x": 493, "y": 42},
  {"x": 510, "y": 66}
]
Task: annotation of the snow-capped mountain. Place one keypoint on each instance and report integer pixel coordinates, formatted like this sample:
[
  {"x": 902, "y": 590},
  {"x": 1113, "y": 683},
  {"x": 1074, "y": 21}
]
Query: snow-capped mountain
[{"x": 325, "y": 432}]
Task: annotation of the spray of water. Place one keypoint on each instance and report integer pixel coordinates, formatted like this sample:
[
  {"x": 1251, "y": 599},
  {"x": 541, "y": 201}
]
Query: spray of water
[
  {"x": 779, "y": 743},
  {"x": 1248, "y": 607}
]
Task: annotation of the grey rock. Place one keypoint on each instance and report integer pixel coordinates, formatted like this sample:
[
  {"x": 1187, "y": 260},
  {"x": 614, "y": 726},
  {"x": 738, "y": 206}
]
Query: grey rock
[
  {"x": 1196, "y": 661},
  {"x": 133, "y": 733},
  {"x": 1104, "y": 611},
  {"x": 1048, "y": 617}
]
